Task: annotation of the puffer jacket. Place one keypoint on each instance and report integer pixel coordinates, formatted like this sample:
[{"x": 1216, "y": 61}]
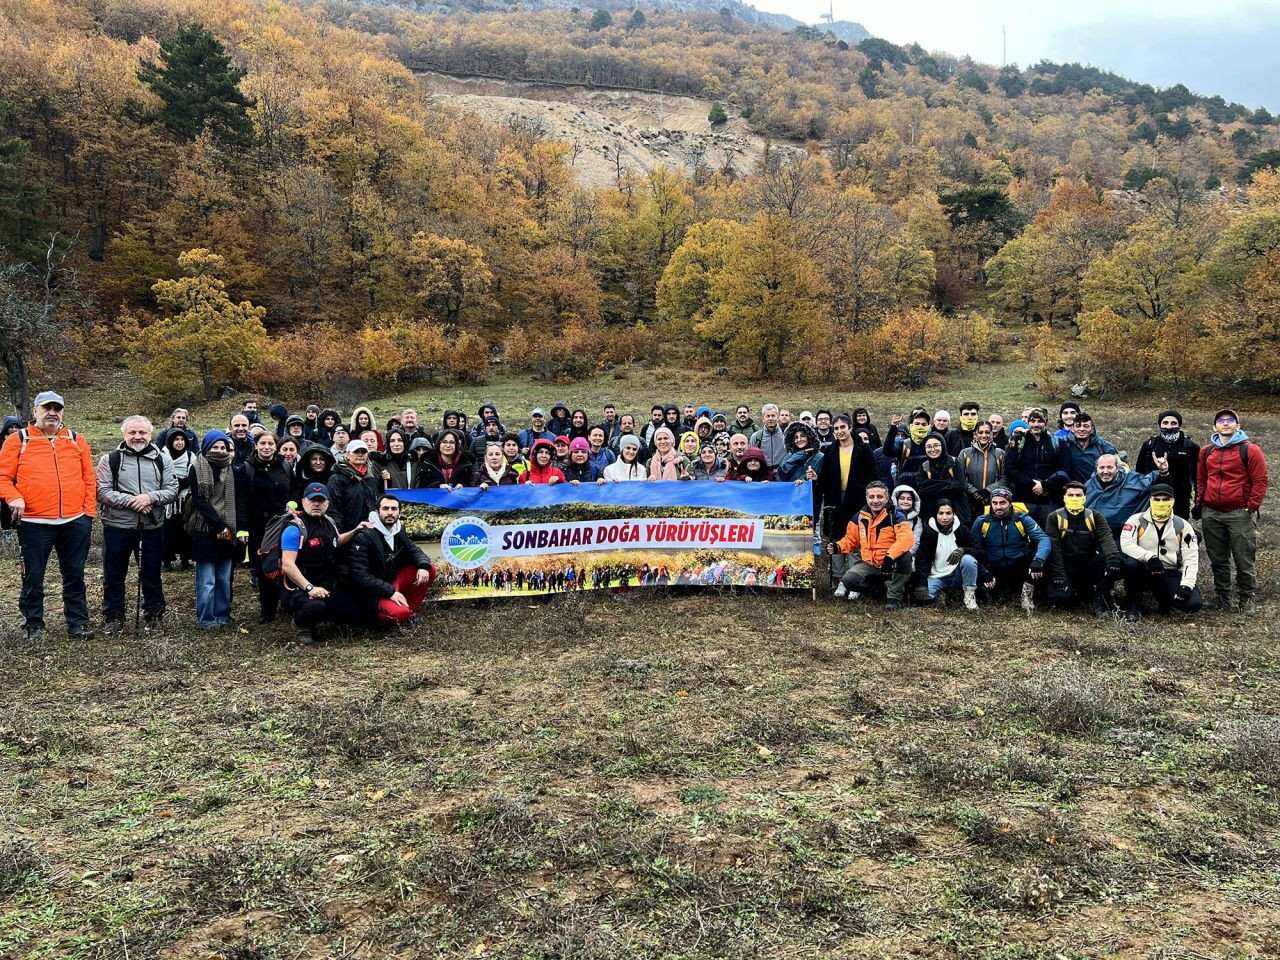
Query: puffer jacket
[
  {"x": 1077, "y": 538},
  {"x": 875, "y": 536},
  {"x": 54, "y": 476},
  {"x": 1004, "y": 544},
  {"x": 1142, "y": 538},
  {"x": 353, "y": 496},
  {"x": 148, "y": 471},
  {"x": 912, "y": 515},
  {"x": 981, "y": 469}
]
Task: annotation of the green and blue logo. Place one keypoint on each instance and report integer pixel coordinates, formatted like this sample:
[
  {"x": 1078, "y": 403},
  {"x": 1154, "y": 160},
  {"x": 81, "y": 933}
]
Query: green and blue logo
[{"x": 465, "y": 543}]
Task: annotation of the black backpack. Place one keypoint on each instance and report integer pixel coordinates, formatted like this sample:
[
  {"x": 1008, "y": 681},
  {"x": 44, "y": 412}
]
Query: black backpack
[{"x": 270, "y": 553}]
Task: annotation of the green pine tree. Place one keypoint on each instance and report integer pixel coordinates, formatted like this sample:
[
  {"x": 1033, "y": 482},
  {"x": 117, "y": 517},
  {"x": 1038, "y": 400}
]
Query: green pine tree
[{"x": 199, "y": 85}]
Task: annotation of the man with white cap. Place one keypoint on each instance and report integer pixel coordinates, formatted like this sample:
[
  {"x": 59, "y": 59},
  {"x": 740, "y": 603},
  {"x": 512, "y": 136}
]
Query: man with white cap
[{"x": 47, "y": 479}]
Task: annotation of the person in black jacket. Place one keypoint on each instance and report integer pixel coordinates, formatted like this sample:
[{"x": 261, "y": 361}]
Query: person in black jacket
[
  {"x": 1183, "y": 454},
  {"x": 841, "y": 490},
  {"x": 934, "y": 575},
  {"x": 354, "y": 488},
  {"x": 1037, "y": 465},
  {"x": 1084, "y": 561},
  {"x": 389, "y": 572},
  {"x": 264, "y": 486}
]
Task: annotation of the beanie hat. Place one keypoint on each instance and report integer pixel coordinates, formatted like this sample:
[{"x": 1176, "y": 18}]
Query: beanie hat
[
  {"x": 1018, "y": 423},
  {"x": 1069, "y": 405},
  {"x": 629, "y": 440},
  {"x": 579, "y": 443},
  {"x": 1170, "y": 413}
]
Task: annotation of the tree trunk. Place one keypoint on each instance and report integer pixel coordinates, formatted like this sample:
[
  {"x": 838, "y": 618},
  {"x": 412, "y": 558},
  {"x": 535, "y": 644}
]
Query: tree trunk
[{"x": 15, "y": 370}]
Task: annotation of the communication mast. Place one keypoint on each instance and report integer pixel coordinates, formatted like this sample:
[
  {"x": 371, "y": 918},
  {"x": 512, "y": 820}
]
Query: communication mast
[{"x": 830, "y": 15}]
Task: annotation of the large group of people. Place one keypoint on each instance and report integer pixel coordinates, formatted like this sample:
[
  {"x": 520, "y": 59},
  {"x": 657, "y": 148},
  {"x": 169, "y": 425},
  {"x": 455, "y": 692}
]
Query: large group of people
[{"x": 914, "y": 508}]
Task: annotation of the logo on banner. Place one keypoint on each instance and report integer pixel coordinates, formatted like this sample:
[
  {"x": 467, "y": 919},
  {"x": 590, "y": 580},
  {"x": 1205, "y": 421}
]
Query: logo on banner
[{"x": 466, "y": 543}]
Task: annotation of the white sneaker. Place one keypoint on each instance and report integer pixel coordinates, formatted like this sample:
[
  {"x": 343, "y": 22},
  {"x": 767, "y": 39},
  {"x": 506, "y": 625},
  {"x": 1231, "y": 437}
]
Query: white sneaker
[
  {"x": 971, "y": 598},
  {"x": 853, "y": 595},
  {"x": 1028, "y": 592},
  {"x": 841, "y": 590}
]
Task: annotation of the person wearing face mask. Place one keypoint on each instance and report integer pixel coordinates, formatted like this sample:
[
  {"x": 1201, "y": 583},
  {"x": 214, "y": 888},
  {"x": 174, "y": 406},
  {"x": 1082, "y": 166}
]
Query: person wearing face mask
[
  {"x": 1161, "y": 557},
  {"x": 1084, "y": 561},
  {"x": 904, "y": 445},
  {"x": 961, "y": 437},
  {"x": 1231, "y": 482},
  {"x": 1182, "y": 453},
  {"x": 1118, "y": 494}
]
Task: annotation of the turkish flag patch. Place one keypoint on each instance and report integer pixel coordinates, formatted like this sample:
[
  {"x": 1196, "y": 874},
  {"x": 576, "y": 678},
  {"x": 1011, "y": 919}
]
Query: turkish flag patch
[{"x": 313, "y": 542}]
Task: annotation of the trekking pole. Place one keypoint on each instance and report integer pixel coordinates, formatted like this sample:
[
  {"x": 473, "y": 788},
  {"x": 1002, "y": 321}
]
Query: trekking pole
[
  {"x": 137, "y": 599},
  {"x": 821, "y": 560}
]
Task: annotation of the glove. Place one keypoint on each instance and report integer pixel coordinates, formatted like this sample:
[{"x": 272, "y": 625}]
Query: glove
[
  {"x": 984, "y": 495},
  {"x": 1062, "y": 587},
  {"x": 1183, "y": 594},
  {"x": 888, "y": 565},
  {"x": 1196, "y": 512},
  {"x": 1037, "y": 566},
  {"x": 1155, "y": 565},
  {"x": 955, "y": 556},
  {"x": 1114, "y": 566}
]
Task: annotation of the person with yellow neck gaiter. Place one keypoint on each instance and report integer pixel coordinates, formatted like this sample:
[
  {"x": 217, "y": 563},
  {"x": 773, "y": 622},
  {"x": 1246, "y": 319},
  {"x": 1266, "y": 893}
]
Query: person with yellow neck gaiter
[
  {"x": 961, "y": 437},
  {"x": 1084, "y": 562},
  {"x": 1161, "y": 557}
]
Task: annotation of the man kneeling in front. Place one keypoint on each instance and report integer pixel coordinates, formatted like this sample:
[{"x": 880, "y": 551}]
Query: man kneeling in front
[{"x": 389, "y": 572}]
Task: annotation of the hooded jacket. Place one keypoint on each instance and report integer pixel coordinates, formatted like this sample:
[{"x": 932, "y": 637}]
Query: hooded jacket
[
  {"x": 1122, "y": 497},
  {"x": 1045, "y": 459},
  {"x": 1224, "y": 481},
  {"x": 538, "y": 474},
  {"x": 149, "y": 471},
  {"x": 54, "y": 475},
  {"x": 1184, "y": 459},
  {"x": 797, "y": 462},
  {"x": 375, "y": 563},
  {"x": 264, "y": 490},
  {"x": 912, "y": 515},
  {"x": 373, "y": 425},
  {"x": 403, "y": 467},
  {"x": 280, "y": 414},
  {"x": 1075, "y": 539},
  {"x": 304, "y": 475},
  {"x": 321, "y": 434},
  {"x": 557, "y": 423},
  {"x": 1002, "y": 542},
  {"x": 875, "y": 536},
  {"x": 739, "y": 471},
  {"x": 941, "y": 479},
  {"x": 353, "y": 497}
]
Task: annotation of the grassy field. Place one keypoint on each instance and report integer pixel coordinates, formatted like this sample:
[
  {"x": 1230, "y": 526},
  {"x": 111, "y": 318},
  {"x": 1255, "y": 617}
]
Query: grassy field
[{"x": 649, "y": 775}]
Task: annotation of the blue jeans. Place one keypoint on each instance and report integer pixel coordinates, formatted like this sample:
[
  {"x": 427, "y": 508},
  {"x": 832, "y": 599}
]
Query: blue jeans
[
  {"x": 38, "y": 541},
  {"x": 213, "y": 592},
  {"x": 965, "y": 575},
  {"x": 118, "y": 546}
]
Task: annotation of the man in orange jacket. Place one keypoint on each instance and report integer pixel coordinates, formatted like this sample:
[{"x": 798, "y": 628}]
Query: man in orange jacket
[
  {"x": 47, "y": 479},
  {"x": 881, "y": 538}
]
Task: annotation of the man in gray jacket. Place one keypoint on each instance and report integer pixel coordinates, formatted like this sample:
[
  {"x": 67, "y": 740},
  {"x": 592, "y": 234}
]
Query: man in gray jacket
[
  {"x": 135, "y": 482},
  {"x": 771, "y": 438}
]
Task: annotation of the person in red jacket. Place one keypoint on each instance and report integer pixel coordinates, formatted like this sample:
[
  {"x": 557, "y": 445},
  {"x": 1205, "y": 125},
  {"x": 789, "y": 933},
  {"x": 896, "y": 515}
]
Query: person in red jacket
[
  {"x": 1230, "y": 484},
  {"x": 47, "y": 479},
  {"x": 542, "y": 468}
]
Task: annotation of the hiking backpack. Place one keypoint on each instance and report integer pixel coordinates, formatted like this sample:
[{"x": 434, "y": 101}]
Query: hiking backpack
[{"x": 270, "y": 553}]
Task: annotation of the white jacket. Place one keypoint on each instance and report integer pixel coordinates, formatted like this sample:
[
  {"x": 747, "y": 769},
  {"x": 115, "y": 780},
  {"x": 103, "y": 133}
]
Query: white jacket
[{"x": 1176, "y": 544}]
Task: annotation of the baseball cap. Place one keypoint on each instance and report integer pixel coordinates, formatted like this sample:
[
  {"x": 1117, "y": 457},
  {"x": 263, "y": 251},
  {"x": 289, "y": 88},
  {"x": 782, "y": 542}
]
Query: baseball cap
[
  {"x": 357, "y": 445},
  {"x": 538, "y": 412},
  {"x": 48, "y": 396},
  {"x": 1161, "y": 489},
  {"x": 315, "y": 491}
]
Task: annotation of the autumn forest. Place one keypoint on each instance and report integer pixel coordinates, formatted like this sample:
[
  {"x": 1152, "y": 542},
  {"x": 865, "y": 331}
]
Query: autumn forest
[{"x": 265, "y": 195}]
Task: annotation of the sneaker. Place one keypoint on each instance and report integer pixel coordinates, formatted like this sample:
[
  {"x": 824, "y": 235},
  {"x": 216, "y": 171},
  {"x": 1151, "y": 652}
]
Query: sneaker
[
  {"x": 1028, "y": 598},
  {"x": 112, "y": 628},
  {"x": 841, "y": 590},
  {"x": 852, "y": 595},
  {"x": 893, "y": 604},
  {"x": 971, "y": 598},
  {"x": 80, "y": 633}
]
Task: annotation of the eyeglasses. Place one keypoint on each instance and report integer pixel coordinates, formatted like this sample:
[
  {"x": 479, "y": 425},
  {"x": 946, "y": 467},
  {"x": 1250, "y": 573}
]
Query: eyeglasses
[{"x": 1226, "y": 420}]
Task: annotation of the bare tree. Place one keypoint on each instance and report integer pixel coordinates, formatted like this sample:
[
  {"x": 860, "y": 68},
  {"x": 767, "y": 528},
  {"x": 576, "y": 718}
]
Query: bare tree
[{"x": 38, "y": 303}]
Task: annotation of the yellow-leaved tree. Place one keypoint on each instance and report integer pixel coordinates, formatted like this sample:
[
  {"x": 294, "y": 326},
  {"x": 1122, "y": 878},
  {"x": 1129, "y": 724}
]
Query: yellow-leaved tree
[{"x": 204, "y": 334}]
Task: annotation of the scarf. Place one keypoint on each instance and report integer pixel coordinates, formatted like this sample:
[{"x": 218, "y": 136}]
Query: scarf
[
  {"x": 495, "y": 476},
  {"x": 220, "y": 492}
]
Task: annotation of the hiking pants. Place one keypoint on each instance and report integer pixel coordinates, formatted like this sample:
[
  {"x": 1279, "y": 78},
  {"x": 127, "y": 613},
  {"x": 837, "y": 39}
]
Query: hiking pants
[
  {"x": 1231, "y": 535},
  {"x": 119, "y": 545},
  {"x": 38, "y": 541}
]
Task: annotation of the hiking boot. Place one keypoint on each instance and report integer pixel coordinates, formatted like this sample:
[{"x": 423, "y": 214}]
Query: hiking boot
[
  {"x": 1245, "y": 604},
  {"x": 1222, "y": 601},
  {"x": 892, "y": 604},
  {"x": 34, "y": 633},
  {"x": 1028, "y": 598},
  {"x": 1131, "y": 614},
  {"x": 971, "y": 598},
  {"x": 113, "y": 628},
  {"x": 153, "y": 621},
  {"x": 1101, "y": 609},
  {"x": 167, "y": 566},
  {"x": 80, "y": 633},
  {"x": 841, "y": 590}
]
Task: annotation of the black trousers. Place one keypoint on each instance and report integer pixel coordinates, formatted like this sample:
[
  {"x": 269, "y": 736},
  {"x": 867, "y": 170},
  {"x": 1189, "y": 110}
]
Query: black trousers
[
  {"x": 1139, "y": 581},
  {"x": 38, "y": 541},
  {"x": 118, "y": 547},
  {"x": 309, "y": 611}
]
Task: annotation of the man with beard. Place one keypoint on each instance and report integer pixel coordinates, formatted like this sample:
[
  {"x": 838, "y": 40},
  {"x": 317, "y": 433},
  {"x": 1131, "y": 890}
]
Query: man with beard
[{"x": 388, "y": 570}]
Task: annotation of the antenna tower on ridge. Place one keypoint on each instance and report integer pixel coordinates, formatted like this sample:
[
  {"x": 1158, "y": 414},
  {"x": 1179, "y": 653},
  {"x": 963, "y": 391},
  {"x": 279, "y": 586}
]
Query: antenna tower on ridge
[{"x": 830, "y": 15}]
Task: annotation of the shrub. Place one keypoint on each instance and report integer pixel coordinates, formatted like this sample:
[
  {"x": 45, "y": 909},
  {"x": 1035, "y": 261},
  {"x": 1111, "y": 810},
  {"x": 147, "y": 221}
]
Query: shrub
[{"x": 1067, "y": 698}]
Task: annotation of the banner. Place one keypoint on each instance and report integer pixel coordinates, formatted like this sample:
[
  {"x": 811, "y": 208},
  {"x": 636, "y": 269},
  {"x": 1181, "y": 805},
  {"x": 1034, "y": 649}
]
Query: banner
[{"x": 557, "y": 538}]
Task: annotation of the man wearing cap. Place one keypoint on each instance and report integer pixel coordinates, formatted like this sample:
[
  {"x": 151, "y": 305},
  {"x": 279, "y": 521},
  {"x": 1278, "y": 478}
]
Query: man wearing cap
[
  {"x": 1013, "y": 548},
  {"x": 491, "y": 433},
  {"x": 309, "y": 558},
  {"x": 537, "y": 430},
  {"x": 1037, "y": 466},
  {"x": 1161, "y": 557},
  {"x": 1182, "y": 454},
  {"x": 47, "y": 479},
  {"x": 1231, "y": 482},
  {"x": 354, "y": 488}
]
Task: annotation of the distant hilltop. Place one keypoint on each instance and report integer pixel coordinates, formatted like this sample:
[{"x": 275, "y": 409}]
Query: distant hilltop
[{"x": 845, "y": 30}]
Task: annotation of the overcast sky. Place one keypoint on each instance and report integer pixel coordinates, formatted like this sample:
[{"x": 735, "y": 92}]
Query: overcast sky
[{"x": 1227, "y": 47}]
